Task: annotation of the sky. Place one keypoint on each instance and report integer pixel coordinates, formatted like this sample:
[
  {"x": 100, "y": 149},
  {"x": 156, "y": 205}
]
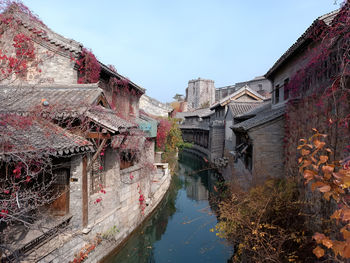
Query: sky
[{"x": 162, "y": 44}]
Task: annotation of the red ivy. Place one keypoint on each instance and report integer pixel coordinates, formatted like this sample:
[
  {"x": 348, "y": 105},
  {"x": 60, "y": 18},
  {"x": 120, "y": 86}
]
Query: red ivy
[
  {"x": 89, "y": 68},
  {"x": 162, "y": 132}
]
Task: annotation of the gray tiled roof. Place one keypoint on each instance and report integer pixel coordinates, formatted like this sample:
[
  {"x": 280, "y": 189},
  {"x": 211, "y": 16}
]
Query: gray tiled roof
[
  {"x": 327, "y": 19},
  {"x": 264, "y": 106},
  {"x": 47, "y": 34},
  {"x": 27, "y": 134},
  {"x": 198, "y": 113},
  {"x": 63, "y": 98},
  {"x": 262, "y": 117},
  {"x": 238, "y": 108},
  {"x": 108, "y": 118}
]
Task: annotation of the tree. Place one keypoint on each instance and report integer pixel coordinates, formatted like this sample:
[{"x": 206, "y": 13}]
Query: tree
[{"x": 178, "y": 97}]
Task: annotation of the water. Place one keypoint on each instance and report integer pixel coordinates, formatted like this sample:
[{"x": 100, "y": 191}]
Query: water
[{"x": 179, "y": 231}]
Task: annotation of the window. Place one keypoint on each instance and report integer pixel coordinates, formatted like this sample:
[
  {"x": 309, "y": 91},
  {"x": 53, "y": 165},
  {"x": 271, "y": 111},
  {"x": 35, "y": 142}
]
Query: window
[
  {"x": 286, "y": 89},
  {"x": 277, "y": 94},
  {"x": 128, "y": 158},
  {"x": 260, "y": 86}
]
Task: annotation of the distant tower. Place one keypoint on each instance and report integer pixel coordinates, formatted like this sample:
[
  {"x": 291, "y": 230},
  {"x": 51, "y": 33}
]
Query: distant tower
[{"x": 200, "y": 93}]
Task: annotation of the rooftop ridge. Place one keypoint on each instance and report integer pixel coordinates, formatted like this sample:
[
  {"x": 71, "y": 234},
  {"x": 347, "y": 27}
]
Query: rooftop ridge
[{"x": 90, "y": 86}]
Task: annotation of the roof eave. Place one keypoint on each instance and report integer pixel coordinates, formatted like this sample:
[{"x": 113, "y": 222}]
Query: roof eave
[
  {"x": 294, "y": 48},
  {"x": 115, "y": 74}
]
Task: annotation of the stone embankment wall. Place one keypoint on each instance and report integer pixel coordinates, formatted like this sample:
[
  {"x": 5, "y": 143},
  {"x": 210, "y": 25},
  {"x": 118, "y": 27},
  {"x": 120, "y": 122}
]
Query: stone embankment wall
[{"x": 113, "y": 218}]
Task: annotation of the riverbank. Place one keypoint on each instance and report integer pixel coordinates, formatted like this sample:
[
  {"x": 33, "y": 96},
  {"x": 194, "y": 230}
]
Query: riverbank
[{"x": 136, "y": 198}]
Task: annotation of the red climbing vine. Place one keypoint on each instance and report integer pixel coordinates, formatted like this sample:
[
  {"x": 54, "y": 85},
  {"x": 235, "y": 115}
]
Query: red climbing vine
[{"x": 88, "y": 67}]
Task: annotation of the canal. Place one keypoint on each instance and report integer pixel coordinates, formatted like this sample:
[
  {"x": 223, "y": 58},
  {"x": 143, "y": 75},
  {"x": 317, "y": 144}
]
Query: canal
[{"x": 179, "y": 230}]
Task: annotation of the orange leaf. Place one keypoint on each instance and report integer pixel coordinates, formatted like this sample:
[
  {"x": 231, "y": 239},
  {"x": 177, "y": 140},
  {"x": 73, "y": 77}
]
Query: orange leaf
[
  {"x": 327, "y": 196},
  {"x": 346, "y": 214},
  {"x": 319, "y": 252},
  {"x": 318, "y": 144},
  {"x": 318, "y": 237},
  {"x": 346, "y": 253},
  {"x": 346, "y": 181},
  {"x": 313, "y": 159},
  {"x": 324, "y": 189},
  {"x": 309, "y": 175},
  {"x": 305, "y": 152},
  {"x": 323, "y": 159},
  {"x": 316, "y": 185},
  {"x": 327, "y": 169},
  {"x": 337, "y": 176},
  {"x": 328, "y": 150},
  {"x": 306, "y": 163},
  {"x": 346, "y": 234},
  {"x": 327, "y": 243},
  {"x": 336, "y": 214},
  {"x": 327, "y": 176},
  {"x": 338, "y": 247}
]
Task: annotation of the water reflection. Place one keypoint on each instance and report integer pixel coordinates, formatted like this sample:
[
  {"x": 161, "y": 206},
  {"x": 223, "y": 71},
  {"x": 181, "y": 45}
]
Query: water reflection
[{"x": 179, "y": 230}]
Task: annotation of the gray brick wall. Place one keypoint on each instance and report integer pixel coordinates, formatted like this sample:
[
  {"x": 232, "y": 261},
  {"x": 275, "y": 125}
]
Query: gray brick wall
[{"x": 268, "y": 154}]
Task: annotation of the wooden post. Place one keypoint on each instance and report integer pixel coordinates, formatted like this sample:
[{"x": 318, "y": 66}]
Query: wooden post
[{"x": 84, "y": 186}]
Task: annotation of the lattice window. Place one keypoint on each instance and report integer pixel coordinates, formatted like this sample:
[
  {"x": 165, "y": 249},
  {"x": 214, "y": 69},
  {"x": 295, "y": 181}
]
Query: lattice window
[{"x": 98, "y": 175}]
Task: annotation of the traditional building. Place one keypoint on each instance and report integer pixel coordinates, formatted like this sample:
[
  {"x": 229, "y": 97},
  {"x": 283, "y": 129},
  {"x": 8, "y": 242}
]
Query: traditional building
[
  {"x": 266, "y": 139},
  {"x": 200, "y": 93},
  {"x": 243, "y": 99},
  {"x": 259, "y": 143},
  {"x": 55, "y": 59},
  {"x": 260, "y": 85},
  {"x": 105, "y": 184},
  {"x": 310, "y": 79},
  {"x": 196, "y": 130}
]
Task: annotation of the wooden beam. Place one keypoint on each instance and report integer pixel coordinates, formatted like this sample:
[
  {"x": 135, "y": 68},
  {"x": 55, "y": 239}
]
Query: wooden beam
[
  {"x": 85, "y": 197},
  {"x": 97, "y": 135},
  {"x": 96, "y": 154}
]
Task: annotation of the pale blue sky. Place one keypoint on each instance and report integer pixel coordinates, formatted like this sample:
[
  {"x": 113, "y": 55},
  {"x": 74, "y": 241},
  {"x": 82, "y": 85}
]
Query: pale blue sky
[{"x": 162, "y": 44}]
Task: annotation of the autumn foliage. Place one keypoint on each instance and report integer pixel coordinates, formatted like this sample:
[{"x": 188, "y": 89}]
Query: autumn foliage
[
  {"x": 162, "y": 133},
  {"x": 332, "y": 180},
  {"x": 88, "y": 67}
]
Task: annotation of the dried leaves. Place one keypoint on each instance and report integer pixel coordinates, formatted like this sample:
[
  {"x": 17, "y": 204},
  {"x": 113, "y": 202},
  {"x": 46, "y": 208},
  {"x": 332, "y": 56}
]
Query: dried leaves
[{"x": 332, "y": 179}]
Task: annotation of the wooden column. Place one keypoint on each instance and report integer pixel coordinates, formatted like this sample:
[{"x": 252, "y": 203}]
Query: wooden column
[{"x": 84, "y": 186}]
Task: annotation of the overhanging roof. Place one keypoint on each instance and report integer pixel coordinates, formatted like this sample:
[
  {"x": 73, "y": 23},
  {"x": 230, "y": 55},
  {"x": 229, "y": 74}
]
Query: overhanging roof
[
  {"x": 28, "y": 134},
  {"x": 262, "y": 117},
  {"x": 66, "y": 98},
  {"x": 325, "y": 19}
]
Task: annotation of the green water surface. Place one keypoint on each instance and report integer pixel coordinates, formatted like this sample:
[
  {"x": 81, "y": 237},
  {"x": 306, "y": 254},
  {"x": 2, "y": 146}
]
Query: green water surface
[{"x": 179, "y": 230}]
